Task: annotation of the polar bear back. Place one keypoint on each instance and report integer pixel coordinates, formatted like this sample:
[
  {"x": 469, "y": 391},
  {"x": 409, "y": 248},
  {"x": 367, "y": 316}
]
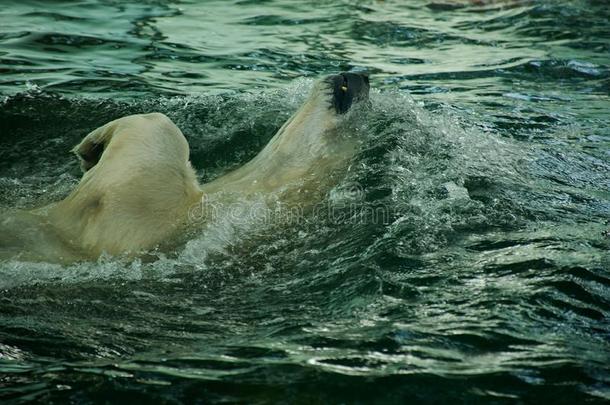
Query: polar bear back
[{"x": 136, "y": 190}]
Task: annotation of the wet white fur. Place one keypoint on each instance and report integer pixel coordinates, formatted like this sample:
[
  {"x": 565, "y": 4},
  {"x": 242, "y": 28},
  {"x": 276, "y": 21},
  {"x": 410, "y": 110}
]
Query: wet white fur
[{"x": 141, "y": 190}]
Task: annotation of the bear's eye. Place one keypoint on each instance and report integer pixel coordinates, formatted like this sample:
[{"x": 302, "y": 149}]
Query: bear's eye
[
  {"x": 342, "y": 92},
  {"x": 344, "y": 84}
]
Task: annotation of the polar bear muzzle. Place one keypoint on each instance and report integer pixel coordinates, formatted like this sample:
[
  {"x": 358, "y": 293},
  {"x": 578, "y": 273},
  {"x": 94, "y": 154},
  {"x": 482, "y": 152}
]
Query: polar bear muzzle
[{"x": 347, "y": 89}]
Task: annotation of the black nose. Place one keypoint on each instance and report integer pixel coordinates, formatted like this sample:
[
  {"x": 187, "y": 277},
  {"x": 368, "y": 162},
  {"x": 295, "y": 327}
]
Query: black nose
[{"x": 348, "y": 88}]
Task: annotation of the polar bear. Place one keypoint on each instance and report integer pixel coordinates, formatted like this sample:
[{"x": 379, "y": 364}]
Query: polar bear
[{"x": 138, "y": 185}]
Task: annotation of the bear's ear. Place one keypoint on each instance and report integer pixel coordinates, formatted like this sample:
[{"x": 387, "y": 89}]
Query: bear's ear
[
  {"x": 90, "y": 150},
  {"x": 89, "y": 155}
]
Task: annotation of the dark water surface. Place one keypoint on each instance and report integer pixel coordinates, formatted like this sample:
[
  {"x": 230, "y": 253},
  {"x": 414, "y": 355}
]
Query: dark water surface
[{"x": 483, "y": 277}]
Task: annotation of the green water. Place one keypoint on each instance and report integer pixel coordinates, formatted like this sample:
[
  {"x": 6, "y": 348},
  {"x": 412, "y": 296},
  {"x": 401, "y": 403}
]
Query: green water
[{"x": 486, "y": 150}]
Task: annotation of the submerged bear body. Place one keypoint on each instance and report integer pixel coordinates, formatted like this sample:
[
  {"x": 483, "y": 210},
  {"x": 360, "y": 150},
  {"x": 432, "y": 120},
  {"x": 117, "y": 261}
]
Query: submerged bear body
[{"x": 138, "y": 186}]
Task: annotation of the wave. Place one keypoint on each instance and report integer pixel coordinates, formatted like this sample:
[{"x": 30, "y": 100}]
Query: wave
[{"x": 422, "y": 182}]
